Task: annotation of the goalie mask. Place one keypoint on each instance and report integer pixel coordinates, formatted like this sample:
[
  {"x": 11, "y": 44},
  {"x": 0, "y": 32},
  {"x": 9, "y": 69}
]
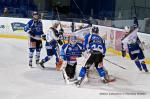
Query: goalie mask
[{"x": 73, "y": 40}]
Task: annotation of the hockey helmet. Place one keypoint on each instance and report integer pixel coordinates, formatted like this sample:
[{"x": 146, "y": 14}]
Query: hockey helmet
[
  {"x": 55, "y": 23},
  {"x": 35, "y": 15},
  {"x": 72, "y": 39},
  {"x": 127, "y": 29},
  {"x": 95, "y": 30}
]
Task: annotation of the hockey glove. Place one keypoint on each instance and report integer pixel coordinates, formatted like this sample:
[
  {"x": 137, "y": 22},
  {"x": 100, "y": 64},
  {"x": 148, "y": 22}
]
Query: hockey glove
[
  {"x": 64, "y": 57},
  {"x": 103, "y": 55},
  {"x": 61, "y": 31},
  {"x": 123, "y": 53},
  {"x": 31, "y": 33},
  {"x": 60, "y": 42},
  {"x": 44, "y": 37}
]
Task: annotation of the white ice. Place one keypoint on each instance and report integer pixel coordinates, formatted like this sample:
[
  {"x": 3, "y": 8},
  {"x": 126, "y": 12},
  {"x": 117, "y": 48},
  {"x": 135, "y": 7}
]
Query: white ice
[{"x": 18, "y": 81}]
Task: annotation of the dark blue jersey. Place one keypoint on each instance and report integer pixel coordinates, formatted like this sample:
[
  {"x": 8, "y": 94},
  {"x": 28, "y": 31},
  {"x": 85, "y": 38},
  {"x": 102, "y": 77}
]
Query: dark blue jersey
[
  {"x": 35, "y": 26},
  {"x": 94, "y": 42},
  {"x": 70, "y": 52}
]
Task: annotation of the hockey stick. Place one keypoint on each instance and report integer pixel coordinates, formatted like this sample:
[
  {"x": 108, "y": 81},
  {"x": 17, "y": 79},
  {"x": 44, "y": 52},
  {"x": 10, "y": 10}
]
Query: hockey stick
[
  {"x": 60, "y": 24},
  {"x": 135, "y": 12},
  {"x": 114, "y": 64},
  {"x": 81, "y": 12},
  {"x": 79, "y": 9}
]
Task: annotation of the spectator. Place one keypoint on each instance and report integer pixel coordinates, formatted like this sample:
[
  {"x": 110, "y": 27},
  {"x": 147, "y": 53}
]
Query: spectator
[{"x": 5, "y": 12}]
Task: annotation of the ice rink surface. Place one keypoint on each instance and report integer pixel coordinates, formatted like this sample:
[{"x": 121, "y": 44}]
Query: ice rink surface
[{"x": 18, "y": 81}]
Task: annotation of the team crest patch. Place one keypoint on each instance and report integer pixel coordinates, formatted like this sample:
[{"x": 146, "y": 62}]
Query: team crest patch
[{"x": 69, "y": 48}]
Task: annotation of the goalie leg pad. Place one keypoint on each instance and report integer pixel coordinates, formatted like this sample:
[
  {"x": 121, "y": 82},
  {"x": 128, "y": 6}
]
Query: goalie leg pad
[
  {"x": 70, "y": 70},
  {"x": 59, "y": 64}
]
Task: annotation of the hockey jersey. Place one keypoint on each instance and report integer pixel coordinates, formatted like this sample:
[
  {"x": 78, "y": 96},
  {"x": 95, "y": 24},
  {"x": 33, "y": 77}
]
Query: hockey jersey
[
  {"x": 94, "y": 42},
  {"x": 132, "y": 42},
  {"x": 52, "y": 36},
  {"x": 36, "y": 27},
  {"x": 70, "y": 52}
]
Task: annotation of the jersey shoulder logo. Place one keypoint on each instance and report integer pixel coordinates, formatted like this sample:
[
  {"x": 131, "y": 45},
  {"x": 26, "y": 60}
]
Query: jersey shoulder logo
[{"x": 70, "y": 49}]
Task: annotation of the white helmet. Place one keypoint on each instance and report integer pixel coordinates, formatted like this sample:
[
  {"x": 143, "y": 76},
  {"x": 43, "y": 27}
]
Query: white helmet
[
  {"x": 127, "y": 29},
  {"x": 55, "y": 22}
]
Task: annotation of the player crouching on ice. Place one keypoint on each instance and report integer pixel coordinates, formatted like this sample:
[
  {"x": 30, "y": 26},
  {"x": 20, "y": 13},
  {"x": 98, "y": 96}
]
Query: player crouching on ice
[
  {"x": 134, "y": 46},
  {"x": 95, "y": 46},
  {"x": 69, "y": 53},
  {"x": 53, "y": 37},
  {"x": 35, "y": 30}
]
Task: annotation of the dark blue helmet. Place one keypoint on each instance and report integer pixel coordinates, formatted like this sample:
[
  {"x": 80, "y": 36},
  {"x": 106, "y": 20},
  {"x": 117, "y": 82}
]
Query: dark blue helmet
[
  {"x": 95, "y": 30},
  {"x": 35, "y": 13},
  {"x": 73, "y": 38}
]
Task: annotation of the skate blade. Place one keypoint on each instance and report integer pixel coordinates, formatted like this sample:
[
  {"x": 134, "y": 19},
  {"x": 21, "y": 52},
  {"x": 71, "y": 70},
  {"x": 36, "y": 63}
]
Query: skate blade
[
  {"x": 70, "y": 82},
  {"x": 39, "y": 66},
  {"x": 111, "y": 79},
  {"x": 143, "y": 72},
  {"x": 83, "y": 82},
  {"x": 31, "y": 67}
]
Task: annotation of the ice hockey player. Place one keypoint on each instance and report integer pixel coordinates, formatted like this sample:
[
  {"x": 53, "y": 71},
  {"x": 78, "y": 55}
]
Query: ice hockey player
[
  {"x": 34, "y": 29},
  {"x": 69, "y": 53},
  {"x": 134, "y": 47},
  {"x": 94, "y": 45},
  {"x": 53, "y": 38}
]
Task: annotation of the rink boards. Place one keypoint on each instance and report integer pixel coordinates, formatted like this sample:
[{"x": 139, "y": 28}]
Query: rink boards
[{"x": 13, "y": 28}]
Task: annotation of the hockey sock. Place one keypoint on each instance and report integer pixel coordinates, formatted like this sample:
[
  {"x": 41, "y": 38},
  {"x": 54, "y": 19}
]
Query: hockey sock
[
  {"x": 37, "y": 56},
  {"x": 82, "y": 72},
  {"x": 144, "y": 66},
  {"x": 101, "y": 72},
  {"x": 57, "y": 60},
  {"x": 31, "y": 51},
  {"x": 47, "y": 58},
  {"x": 138, "y": 65}
]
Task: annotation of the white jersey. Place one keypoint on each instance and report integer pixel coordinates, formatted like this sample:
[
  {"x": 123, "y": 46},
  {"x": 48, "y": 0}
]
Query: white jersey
[
  {"x": 131, "y": 38},
  {"x": 50, "y": 35}
]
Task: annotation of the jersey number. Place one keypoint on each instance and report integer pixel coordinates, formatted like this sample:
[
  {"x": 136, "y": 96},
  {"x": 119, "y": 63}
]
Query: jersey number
[{"x": 96, "y": 46}]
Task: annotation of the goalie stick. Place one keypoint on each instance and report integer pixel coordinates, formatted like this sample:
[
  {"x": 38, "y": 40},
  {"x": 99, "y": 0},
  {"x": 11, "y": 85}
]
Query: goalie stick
[{"x": 66, "y": 78}]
